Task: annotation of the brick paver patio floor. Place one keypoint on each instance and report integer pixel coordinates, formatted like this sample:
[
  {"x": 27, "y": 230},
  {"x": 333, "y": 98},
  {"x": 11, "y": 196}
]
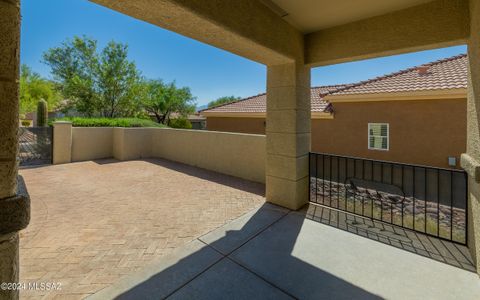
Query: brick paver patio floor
[{"x": 94, "y": 222}]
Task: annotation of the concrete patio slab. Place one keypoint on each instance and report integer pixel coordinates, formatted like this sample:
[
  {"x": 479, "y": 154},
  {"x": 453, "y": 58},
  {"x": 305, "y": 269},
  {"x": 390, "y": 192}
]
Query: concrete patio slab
[
  {"x": 294, "y": 256},
  {"x": 231, "y": 236},
  {"x": 228, "y": 280},
  {"x": 416, "y": 242},
  {"x": 162, "y": 278},
  {"x": 315, "y": 261}
]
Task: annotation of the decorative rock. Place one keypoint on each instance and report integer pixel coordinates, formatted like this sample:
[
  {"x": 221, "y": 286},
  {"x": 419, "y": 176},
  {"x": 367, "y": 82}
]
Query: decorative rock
[{"x": 392, "y": 205}]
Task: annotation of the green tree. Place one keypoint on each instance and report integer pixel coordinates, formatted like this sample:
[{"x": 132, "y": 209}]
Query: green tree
[
  {"x": 97, "y": 83},
  {"x": 33, "y": 88},
  {"x": 223, "y": 100},
  {"x": 162, "y": 100}
]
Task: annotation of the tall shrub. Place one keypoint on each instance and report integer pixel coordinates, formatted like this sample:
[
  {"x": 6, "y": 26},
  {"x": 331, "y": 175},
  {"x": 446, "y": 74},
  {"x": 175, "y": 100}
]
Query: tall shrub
[
  {"x": 42, "y": 113},
  {"x": 181, "y": 122}
]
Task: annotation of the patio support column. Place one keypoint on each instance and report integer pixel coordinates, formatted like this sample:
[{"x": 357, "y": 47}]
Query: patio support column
[
  {"x": 471, "y": 160},
  {"x": 288, "y": 134},
  {"x": 9, "y": 50},
  {"x": 14, "y": 204}
]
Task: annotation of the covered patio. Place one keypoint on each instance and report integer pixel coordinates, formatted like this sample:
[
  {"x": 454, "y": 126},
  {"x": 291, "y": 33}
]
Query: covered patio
[
  {"x": 154, "y": 229},
  {"x": 274, "y": 252}
]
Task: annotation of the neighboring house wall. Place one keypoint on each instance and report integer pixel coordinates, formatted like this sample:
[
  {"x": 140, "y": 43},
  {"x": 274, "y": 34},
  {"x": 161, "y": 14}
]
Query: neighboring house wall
[
  {"x": 236, "y": 124},
  {"x": 423, "y": 132}
]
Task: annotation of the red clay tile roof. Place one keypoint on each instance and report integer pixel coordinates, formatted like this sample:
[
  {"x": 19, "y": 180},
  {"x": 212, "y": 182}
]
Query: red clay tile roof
[
  {"x": 449, "y": 73},
  {"x": 318, "y": 93},
  {"x": 258, "y": 103}
]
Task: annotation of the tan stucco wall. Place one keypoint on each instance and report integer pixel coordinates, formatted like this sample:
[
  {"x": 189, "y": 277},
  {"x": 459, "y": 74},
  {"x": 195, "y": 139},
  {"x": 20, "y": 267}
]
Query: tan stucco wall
[
  {"x": 240, "y": 155},
  {"x": 91, "y": 143},
  {"x": 421, "y": 132},
  {"x": 132, "y": 143},
  {"x": 117, "y": 143},
  {"x": 473, "y": 133},
  {"x": 240, "y": 125}
]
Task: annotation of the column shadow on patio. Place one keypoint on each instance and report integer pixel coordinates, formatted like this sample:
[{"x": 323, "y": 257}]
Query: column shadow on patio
[
  {"x": 273, "y": 253},
  {"x": 441, "y": 250},
  {"x": 215, "y": 267}
]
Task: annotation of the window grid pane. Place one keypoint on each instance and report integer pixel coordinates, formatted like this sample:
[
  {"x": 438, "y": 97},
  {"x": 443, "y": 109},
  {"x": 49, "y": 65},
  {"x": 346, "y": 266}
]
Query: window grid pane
[{"x": 378, "y": 136}]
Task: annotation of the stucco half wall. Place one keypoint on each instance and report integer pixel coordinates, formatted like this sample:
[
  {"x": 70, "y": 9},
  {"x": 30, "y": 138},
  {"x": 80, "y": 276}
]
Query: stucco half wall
[
  {"x": 91, "y": 143},
  {"x": 240, "y": 155}
]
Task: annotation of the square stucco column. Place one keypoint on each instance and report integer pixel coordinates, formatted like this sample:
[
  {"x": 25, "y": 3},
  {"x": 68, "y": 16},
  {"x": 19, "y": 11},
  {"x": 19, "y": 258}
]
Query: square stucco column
[
  {"x": 471, "y": 160},
  {"x": 14, "y": 204},
  {"x": 62, "y": 142},
  {"x": 9, "y": 93},
  {"x": 288, "y": 134}
]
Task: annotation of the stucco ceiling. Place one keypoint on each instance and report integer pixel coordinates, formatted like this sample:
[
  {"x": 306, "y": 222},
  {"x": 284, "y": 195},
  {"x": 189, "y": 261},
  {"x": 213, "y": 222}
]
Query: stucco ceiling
[{"x": 313, "y": 15}]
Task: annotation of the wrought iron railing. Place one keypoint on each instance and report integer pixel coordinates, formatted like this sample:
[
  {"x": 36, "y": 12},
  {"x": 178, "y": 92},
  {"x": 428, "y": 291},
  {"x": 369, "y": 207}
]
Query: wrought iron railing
[{"x": 421, "y": 198}]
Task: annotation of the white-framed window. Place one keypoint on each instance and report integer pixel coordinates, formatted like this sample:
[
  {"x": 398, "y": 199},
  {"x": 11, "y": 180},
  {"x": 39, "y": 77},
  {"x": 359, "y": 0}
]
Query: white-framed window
[{"x": 378, "y": 136}]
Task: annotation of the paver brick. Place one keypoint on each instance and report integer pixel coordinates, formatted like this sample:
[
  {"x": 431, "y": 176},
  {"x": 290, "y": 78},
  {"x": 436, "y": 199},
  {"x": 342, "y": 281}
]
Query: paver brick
[{"x": 94, "y": 222}]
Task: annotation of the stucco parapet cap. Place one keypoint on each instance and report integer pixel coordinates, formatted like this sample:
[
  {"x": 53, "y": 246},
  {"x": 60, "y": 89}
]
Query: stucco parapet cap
[
  {"x": 15, "y": 211},
  {"x": 471, "y": 166}
]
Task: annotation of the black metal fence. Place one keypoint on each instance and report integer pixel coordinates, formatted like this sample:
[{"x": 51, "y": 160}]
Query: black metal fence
[
  {"x": 421, "y": 198},
  {"x": 35, "y": 145}
]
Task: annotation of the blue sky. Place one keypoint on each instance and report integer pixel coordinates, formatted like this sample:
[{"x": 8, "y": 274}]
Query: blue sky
[{"x": 160, "y": 54}]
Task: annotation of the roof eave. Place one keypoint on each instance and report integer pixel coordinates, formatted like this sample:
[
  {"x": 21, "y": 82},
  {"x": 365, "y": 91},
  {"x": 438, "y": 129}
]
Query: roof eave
[
  {"x": 315, "y": 115},
  {"x": 226, "y": 114}
]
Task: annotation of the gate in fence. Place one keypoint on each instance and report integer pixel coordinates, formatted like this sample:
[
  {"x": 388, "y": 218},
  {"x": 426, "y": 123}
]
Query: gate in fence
[{"x": 35, "y": 145}]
